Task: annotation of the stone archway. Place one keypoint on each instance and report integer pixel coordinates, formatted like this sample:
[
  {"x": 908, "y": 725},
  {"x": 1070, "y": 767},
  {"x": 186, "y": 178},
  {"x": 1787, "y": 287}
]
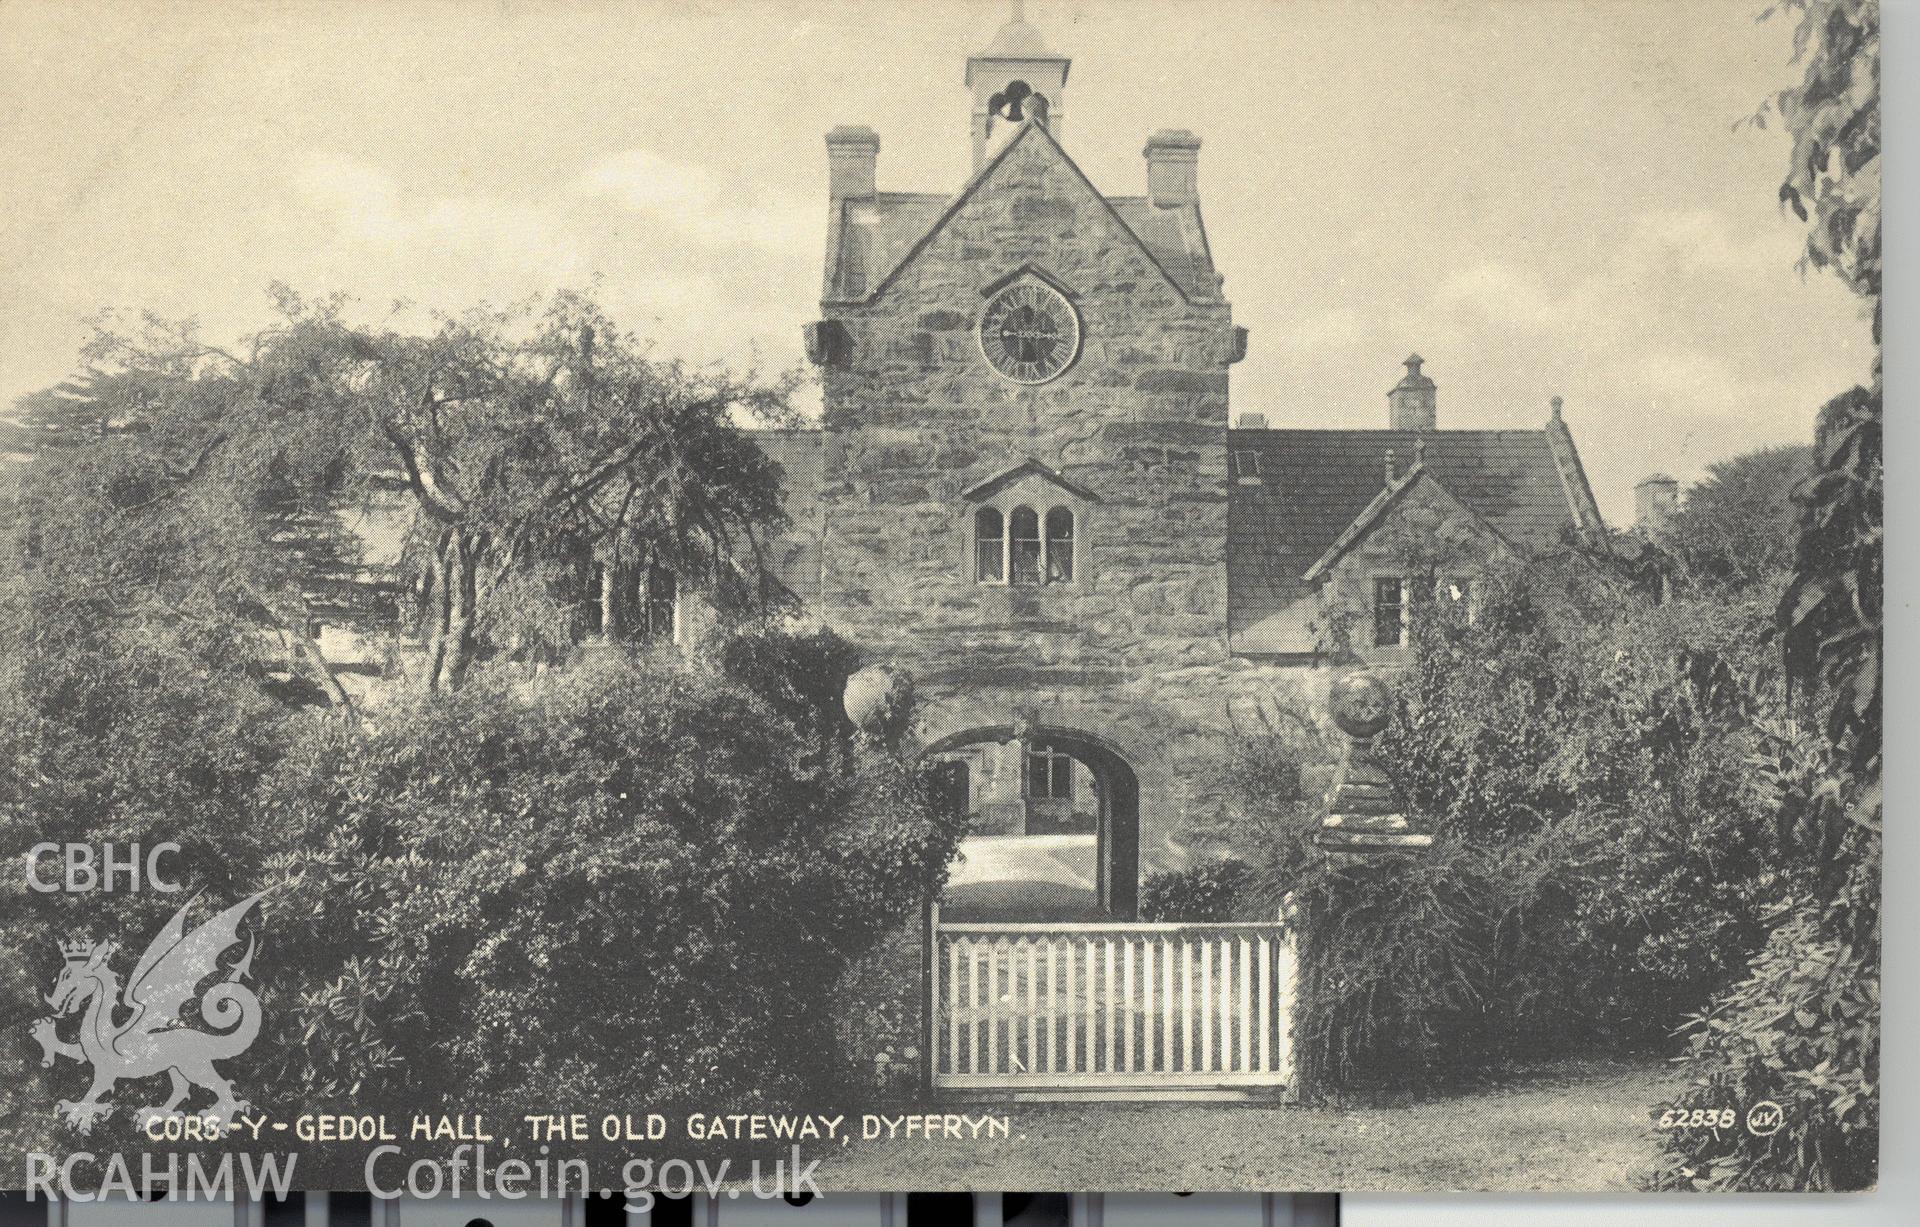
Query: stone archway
[{"x": 1116, "y": 788}]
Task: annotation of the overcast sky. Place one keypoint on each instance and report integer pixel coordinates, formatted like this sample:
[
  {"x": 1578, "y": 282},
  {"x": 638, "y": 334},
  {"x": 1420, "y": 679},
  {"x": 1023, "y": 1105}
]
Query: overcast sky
[{"x": 1541, "y": 197}]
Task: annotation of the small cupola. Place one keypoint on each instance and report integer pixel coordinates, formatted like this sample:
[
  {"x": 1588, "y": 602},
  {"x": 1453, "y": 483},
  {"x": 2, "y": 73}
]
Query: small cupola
[
  {"x": 1018, "y": 77},
  {"x": 1410, "y": 405}
]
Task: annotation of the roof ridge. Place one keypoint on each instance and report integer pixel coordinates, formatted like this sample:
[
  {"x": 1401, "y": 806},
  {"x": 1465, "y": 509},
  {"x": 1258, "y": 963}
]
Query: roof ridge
[{"x": 1383, "y": 502}]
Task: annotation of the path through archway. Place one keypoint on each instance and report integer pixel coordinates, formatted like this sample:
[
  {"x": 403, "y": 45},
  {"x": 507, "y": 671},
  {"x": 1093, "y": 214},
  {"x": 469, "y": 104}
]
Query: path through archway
[{"x": 1056, "y": 815}]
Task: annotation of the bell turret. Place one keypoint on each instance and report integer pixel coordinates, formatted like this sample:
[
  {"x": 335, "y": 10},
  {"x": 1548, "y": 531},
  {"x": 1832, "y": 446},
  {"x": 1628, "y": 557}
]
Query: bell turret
[{"x": 1016, "y": 78}]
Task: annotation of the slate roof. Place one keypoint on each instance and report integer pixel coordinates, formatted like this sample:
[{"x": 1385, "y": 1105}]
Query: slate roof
[
  {"x": 874, "y": 236},
  {"x": 869, "y": 238},
  {"x": 1314, "y": 483},
  {"x": 1176, "y": 238}
]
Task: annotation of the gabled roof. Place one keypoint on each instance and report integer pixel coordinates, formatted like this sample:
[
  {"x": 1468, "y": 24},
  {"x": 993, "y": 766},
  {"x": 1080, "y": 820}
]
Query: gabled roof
[
  {"x": 1314, "y": 485},
  {"x": 870, "y": 240},
  {"x": 1028, "y": 467},
  {"x": 1391, "y": 496}
]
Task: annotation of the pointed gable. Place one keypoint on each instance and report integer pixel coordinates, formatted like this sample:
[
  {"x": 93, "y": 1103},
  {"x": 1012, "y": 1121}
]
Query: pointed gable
[
  {"x": 1028, "y": 468},
  {"x": 1391, "y": 497},
  {"x": 872, "y": 241}
]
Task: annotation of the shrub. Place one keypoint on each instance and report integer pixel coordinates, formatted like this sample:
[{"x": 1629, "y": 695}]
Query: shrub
[
  {"x": 879, "y": 1012},
  {"x": 143, "y": 732},
  {"x": 1602, "y": 859},
  {"x": 507, "y": 842},
  {"x": 1802, "y": 1032},
  {"x": 1208, "y": 892}
]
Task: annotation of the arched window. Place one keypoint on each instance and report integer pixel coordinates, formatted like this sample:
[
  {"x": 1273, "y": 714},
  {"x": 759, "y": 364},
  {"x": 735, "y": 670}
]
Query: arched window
[
  {"x": 1024, "y": 552},
  {"x": 1060, "y": 546},
  {"x": 989, "y": 546},
  {"x": 660, "y": 601}
]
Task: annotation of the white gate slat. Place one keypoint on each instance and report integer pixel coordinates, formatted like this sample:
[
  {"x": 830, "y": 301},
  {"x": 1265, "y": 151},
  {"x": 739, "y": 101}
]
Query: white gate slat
[
  {"x": 1112, "y": 1067},
  {"x": 1092, "y": 997},
  {"x": 1246, "y": 1004},
  {"x": 973, "y": 1008},
  {"x": 1146, "y": 1004},
  {"x": 1053, "y": 1009},
  {"x": 1225, "y": 946},
  {"x": 1073, "y": 1017},
  {"x": 1186, "y": 1015},
  {"x": 1206, "y": 1004},
  {"x": 993, "y": 1008},
  {"x": 953, "y": 1005},
  {"x": 1230, "y": 983},
  {"x": 1229, "y": 994},
  {"x": 1033, "y": 1007},
  {"x": 1266, "y": 993},
  {"x": 1167, "y": 1065}
]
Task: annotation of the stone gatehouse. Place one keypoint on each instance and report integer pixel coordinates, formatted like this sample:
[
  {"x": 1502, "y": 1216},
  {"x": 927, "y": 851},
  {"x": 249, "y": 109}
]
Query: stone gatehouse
[{"x": 1026, "y": 492}]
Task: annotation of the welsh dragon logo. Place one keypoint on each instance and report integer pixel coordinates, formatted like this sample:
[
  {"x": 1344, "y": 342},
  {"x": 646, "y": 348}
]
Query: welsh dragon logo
[{"x": 152, "y": 1037}]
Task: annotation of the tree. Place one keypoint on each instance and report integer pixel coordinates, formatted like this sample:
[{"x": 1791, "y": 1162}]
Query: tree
[
  {"x": 1833, "y": 115},
  {"x": 474, "y": 863},
  {"x": 530, "y": 461},
  {"x": 1804, "y": 1028},
  {"x": 540, "y": 471},
  {"x": 1736, "y": 526}
]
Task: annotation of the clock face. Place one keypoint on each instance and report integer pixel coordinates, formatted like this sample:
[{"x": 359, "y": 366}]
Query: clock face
[{"x": 1029, "y": 333}]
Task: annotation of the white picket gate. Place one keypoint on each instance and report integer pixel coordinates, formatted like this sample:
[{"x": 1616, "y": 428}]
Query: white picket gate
[{"x": 1110, "y": 1008}]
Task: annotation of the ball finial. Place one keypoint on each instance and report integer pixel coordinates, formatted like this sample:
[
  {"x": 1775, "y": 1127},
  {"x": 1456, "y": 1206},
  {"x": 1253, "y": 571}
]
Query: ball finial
[
  {"x": 1361, "y": 704},
  {"x": 879, "y": 701}
]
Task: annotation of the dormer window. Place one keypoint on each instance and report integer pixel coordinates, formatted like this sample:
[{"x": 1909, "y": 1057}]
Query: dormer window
[
  {"x": 1026, "y": 528},
  {"x": 1023, "y": 548}
]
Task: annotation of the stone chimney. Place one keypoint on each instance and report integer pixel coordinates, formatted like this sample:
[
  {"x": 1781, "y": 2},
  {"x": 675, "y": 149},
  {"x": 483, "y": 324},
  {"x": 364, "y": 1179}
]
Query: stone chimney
[
  {"x": 1173, "y": 168},
  {"x": 851, "y": 156},
  {"x": 1410, "y": 405},
  {"x": 1655, "y": 500}
]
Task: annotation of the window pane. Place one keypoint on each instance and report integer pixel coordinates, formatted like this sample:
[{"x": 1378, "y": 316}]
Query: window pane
[
  {"x": 662, "y": 595},
  {"x": 590, "y": 603},
  {"x": 1059, "y": 546},
  {"x": 1024, "y": 528},
  {"x": 1388, "y": 607},
  {"x": 1049, "y": 773},
  {"x": 988, "y": 547}
]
